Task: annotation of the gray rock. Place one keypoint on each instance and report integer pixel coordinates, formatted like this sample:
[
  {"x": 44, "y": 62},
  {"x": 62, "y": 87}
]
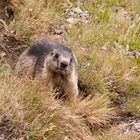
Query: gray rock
[
  {"x": 76, "y": 14},
  {"x": 130, "y": 126},
  {"x": 71, "y": 20},
  {"x": 2, "y": 137},
  {"x": 77, "y": 10},
  {"x": 2, "y": 54},
  {"x": 59, "y": 29}
]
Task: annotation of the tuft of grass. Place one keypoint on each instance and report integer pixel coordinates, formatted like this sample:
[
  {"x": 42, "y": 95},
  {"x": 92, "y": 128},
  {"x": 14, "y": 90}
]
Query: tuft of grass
[
  {"x": 96, "y": 110},
  {"x": 45, "y": 117}
]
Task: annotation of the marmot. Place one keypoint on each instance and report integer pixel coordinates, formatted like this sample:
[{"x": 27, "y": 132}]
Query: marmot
[{"x": 50, "y": 61}]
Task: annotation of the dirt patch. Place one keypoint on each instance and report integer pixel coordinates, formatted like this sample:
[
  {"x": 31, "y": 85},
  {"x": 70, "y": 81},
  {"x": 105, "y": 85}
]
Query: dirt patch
[
  {"x": 2, "y": 9},
  {"x": 11, "y": 45},
  {"x": 129, "y": 126},
  {"x": 10, "y": 130}
]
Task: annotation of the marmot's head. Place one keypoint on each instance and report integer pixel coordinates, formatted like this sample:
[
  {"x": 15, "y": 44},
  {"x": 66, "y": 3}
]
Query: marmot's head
[{"x": 60, "y": 61}]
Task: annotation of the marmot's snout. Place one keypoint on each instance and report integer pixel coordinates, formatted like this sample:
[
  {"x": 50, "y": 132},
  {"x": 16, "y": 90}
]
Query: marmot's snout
[{"x": 64, "y": 65}]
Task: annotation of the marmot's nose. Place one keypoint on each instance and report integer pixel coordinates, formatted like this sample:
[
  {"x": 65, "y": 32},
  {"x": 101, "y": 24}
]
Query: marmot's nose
[{"x": 64, "y": 65}]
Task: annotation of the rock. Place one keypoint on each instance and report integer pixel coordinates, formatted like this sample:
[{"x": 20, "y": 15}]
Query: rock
[
  {"x": 129, "y": 126},
  {"x": 58, "y": 31},
  {"x": 2, "y": 54},
  {"x": 72, "y": 14},
  {"x": 71, "y": 20},
  {"x": 2, "y": 137},
  {"x": 30, "y": 10},
  {"x": 104, "y": 48},
  {"x": 137, "y": 54},
  {"x": 77, "y": 10},
  {"x": 76, "y": 14}
]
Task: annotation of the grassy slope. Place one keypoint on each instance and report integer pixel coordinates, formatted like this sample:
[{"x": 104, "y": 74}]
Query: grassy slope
[
  {"x": 30, "y": 104},
  {"x": 104, "y": 48}
]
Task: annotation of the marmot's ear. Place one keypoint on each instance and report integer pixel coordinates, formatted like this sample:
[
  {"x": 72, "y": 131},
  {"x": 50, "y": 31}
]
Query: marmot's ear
[{"x": 53, "y": 51}]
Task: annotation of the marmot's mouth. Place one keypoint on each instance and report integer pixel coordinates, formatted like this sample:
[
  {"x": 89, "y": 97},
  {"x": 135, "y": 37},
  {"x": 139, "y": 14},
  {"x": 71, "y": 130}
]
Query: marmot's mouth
[{"x": 61, "y": 70}]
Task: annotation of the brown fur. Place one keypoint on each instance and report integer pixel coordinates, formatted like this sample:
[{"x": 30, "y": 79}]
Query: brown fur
[{"x": 26, "y": 67}]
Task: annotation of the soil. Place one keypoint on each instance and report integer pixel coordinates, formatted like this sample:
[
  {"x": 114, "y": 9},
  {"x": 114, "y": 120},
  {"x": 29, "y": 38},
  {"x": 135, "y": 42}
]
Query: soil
[
  {"x": 128, "y": 126},
  {"x": 11, "y": 45},
  {"x": 9, "y": 130}
]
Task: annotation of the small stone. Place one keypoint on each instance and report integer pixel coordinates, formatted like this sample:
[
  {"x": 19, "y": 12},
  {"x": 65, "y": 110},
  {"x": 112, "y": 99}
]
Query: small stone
[
  {"x": 104, "y": 48},
  {"x": 71, "y": 13},
  {"x": 58, "y": 32},
  {"x": 88, "y": 64},
  {"x": 59, "y": 29},
  {"x": 12, "y": 32},
  {"x": 22, "y": 138},
  {"x": 71, "y": 20},
  {"x": 2, "y": 137},
  {"x": 137, "y": 54},
  {"x": 2, "y": 54},
  {"x": 83, "y": 49},
  {"x": 30, "y": 10},
  {"x": 85, "y": 14},
  {"x": 137, "y": 125},
  {"x": 83, "y": 19},
  {"x": 77, "y": 10}
]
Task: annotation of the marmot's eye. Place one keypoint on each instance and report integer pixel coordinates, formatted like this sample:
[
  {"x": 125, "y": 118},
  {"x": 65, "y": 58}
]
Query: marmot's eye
[
  {"x": 56, "y": 55},
  {"x": 70, "y": 60}
]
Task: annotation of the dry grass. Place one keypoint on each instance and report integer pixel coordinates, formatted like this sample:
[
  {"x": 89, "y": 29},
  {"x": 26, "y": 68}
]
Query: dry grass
[
  {"x": 95, "y": 110},
  {"x": 31, "y": 104}
]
